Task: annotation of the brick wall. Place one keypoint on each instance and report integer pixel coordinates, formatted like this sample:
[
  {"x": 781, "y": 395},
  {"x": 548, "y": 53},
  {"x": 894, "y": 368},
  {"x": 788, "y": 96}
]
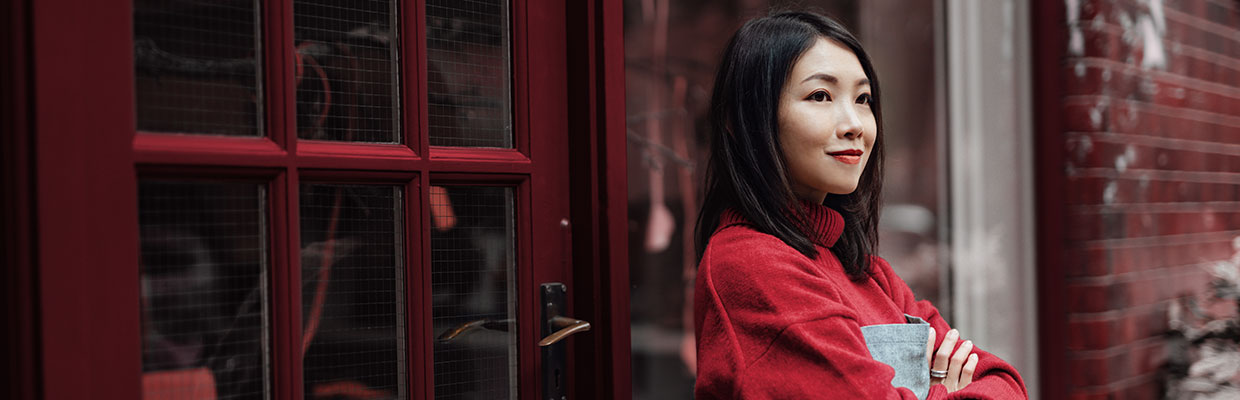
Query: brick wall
[{"x": 1150, "y": 122}]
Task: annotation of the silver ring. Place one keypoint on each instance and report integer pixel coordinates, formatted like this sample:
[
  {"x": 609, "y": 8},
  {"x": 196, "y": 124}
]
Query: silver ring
[{"x": 937, "y": 374}]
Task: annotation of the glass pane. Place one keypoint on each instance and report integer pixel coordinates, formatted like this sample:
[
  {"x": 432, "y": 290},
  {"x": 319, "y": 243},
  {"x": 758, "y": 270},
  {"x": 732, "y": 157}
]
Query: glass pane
[
  {"x": 197, "y": 67},
  {"x": 913, "y": 231},
  {"x": 473, "y": 286},
  {"x": 347, "y": 70},
  {"x": 204, "y": 301},
  {"x": 469, "y": 73},
  {"x": 352, "y": 292}
]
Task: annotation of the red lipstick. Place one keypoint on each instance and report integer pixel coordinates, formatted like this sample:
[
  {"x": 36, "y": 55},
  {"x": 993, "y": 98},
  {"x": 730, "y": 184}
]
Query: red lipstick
[{"x": 847, "y": 156}]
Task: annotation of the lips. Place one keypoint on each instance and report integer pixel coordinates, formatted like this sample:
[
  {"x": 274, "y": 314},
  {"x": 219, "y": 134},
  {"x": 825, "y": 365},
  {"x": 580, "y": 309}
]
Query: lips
[{"x": 852, "y": 156}]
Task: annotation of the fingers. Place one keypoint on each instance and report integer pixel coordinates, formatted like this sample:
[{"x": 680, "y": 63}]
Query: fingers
[
  {"x": 957, "y": 363},
  {"x": 943, "y": 356},
  {"x": 966, "y": 372},
  {"x": 930, "y": 356}
]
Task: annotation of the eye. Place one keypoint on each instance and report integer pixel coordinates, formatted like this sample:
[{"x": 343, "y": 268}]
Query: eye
[
  {"x": 819, "y": 96},
  {"x": 865, "y": 99}
]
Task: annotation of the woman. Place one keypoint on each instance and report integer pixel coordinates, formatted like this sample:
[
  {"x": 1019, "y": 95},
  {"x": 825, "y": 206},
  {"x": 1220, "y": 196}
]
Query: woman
[{"x": 791, "y": 301}]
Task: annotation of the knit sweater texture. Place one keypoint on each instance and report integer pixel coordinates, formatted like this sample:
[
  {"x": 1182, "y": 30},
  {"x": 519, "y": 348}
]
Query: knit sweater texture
[{"x": 774, "y": 324}]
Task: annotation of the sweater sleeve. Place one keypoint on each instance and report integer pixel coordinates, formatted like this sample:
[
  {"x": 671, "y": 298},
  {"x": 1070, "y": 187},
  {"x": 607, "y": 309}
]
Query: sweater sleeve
[
  {"x": 771, "y": 327},
  {"x": 993, "y": 378}
]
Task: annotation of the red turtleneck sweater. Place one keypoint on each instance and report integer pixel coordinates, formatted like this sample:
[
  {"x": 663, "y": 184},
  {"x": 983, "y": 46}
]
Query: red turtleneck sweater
[{"x": 772, "y": 323}]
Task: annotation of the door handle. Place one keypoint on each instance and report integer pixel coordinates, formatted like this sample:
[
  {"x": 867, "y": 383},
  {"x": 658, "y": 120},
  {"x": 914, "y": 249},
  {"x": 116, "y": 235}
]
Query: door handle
[
  {"x": 462, "y": 329},
  {"x": 567, "y": 326},
  {"x": 555, "y": 328}
]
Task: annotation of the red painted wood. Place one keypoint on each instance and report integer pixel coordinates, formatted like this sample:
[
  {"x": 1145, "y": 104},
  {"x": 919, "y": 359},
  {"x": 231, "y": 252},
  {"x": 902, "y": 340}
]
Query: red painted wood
[
  {"x": 613, "y": 197},
  {"x": 86, "y": 193},
  {"x": 285, "y": 285},
  {"x": 482, "y": 166},
  {"x": 522, "y": 28},
  {"x": 86, "y": 178},
  {"x": 416, "y": 325},
  {"x": 478, "y": 154},
  {"x": 541, "y": 58},
  {"x": 411, "y": 77},
  {"x": 421, "y": 369},
  {"x": 1049, "y": 42},
  {"x": 151, "y": 148},
  {"x": 599, "y": 195},
  {"x": 355, "y": 156},
  {"x": 16, "y": 209}
]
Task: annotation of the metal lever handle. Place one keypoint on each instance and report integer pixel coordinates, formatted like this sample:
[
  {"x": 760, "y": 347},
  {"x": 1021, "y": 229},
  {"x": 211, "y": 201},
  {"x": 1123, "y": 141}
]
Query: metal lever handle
[
  {"x": 471, "y": 326},
  {"x": 567, "y": 326}
]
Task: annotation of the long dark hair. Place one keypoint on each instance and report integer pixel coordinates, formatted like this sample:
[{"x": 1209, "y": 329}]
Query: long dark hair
[{"x": 747, "y": 172}]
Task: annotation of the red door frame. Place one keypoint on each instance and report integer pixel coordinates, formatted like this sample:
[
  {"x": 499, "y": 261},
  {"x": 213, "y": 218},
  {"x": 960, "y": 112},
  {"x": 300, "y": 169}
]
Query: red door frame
[
  {"x": 600, "y": 187},
  {"x": 87, "y": 158},
  {"x": 16, "y": 206},
  {"x": 1049, "y": 38}
]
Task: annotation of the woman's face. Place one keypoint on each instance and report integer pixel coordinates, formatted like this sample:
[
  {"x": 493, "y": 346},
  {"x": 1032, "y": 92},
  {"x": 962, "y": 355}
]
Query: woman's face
[{"x": 826, "y": 126}]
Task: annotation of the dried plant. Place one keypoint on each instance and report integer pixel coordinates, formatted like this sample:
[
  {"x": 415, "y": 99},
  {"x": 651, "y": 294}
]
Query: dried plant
[{"x": 1203, "y": 358}]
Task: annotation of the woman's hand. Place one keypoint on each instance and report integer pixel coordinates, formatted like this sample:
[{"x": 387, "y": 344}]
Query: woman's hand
[{"x": 959, "y": 366}]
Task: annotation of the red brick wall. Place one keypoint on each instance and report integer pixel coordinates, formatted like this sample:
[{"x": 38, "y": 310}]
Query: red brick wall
[{"x": 1151, "y": 180}]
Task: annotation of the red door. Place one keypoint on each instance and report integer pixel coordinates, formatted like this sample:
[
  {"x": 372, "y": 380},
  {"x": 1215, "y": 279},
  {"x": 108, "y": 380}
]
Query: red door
[{"x": 345, "y": 199}]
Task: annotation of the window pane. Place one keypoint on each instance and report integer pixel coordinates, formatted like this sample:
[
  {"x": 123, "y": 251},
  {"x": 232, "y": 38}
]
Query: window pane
[
  {"x": 347, "y": 70},
  {"x": 352, "y": 291},
  {"x": 197, "y": 67},
  {"x": 204, "y": 301},
  {"x": 469, "y": 73},
  {"x": 473, "y": 287}
]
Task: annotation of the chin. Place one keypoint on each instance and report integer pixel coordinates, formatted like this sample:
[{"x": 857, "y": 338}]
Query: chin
[{"x": 843, "y": 190}]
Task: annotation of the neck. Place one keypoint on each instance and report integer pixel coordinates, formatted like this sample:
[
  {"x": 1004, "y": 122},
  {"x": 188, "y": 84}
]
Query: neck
[{"x": 809, "y": 195}]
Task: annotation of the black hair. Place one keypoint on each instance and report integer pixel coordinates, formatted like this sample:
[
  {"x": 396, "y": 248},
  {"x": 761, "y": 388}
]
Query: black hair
[{"x": 747, "y": 172}]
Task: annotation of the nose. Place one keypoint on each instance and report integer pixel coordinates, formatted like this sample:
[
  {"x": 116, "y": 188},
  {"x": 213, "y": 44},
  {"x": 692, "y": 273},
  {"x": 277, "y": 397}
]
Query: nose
[{"x": 848, "y": 123}]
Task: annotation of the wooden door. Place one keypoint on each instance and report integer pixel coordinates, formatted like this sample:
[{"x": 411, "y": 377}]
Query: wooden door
[{"x": 318, "y": 199}]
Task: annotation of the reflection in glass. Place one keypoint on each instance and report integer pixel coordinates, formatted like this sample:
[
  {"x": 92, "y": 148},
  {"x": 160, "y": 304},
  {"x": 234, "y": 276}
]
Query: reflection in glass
[
  {"x": 197, "y": 67},
  {"x": 204, "y": 301},
  {"x": 346, "y": 70},
  {"x": 469, "y": 75},
  {"x": 352, "y": 292},
  {"x": 473, "y": 287}
]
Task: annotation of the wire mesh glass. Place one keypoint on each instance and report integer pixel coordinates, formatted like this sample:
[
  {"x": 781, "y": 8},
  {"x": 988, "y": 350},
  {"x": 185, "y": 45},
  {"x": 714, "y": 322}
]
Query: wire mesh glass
[
  {"x": 473, "y": 289},
  {"x": 469, "y": 76},
  {"x": 203, "y": 275},
  {"x": 353, "y": 291},
  {"x": 197, "y": 67},
  {"x": 346, "y": 70}
]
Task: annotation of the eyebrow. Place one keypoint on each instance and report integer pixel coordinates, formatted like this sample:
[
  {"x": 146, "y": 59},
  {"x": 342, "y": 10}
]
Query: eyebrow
[{"x": 832, "y": 79}]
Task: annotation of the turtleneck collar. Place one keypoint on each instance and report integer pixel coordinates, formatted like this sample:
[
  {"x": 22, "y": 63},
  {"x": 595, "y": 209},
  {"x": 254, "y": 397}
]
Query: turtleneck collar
[{"x": 826, "y": 225}]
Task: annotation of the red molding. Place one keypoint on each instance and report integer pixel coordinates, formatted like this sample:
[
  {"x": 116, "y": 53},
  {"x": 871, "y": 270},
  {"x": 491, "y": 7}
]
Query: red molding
[
  {"x": 17, "y": 205},
  {"x": 599, "y": 193},
  {"x": 416, "y": 327},
  {"x": 86, "y": 191},
  {"x": 439, "y": 153},
  {"x": 613, "y": 197},
  {"x": 1049, "y": 48},
  {"x": 356, "y": 156},
  {"x": 421, "y": 305},
  {"x": 157, "y": 148},
  {"x": 347, "y": 177},
  {"x": 285, "y": 288},
  {"x": 409, "y": 35}
]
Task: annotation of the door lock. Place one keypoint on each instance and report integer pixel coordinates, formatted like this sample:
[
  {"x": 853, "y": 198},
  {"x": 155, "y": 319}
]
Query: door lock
[{"x": 555, "y": 328}]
